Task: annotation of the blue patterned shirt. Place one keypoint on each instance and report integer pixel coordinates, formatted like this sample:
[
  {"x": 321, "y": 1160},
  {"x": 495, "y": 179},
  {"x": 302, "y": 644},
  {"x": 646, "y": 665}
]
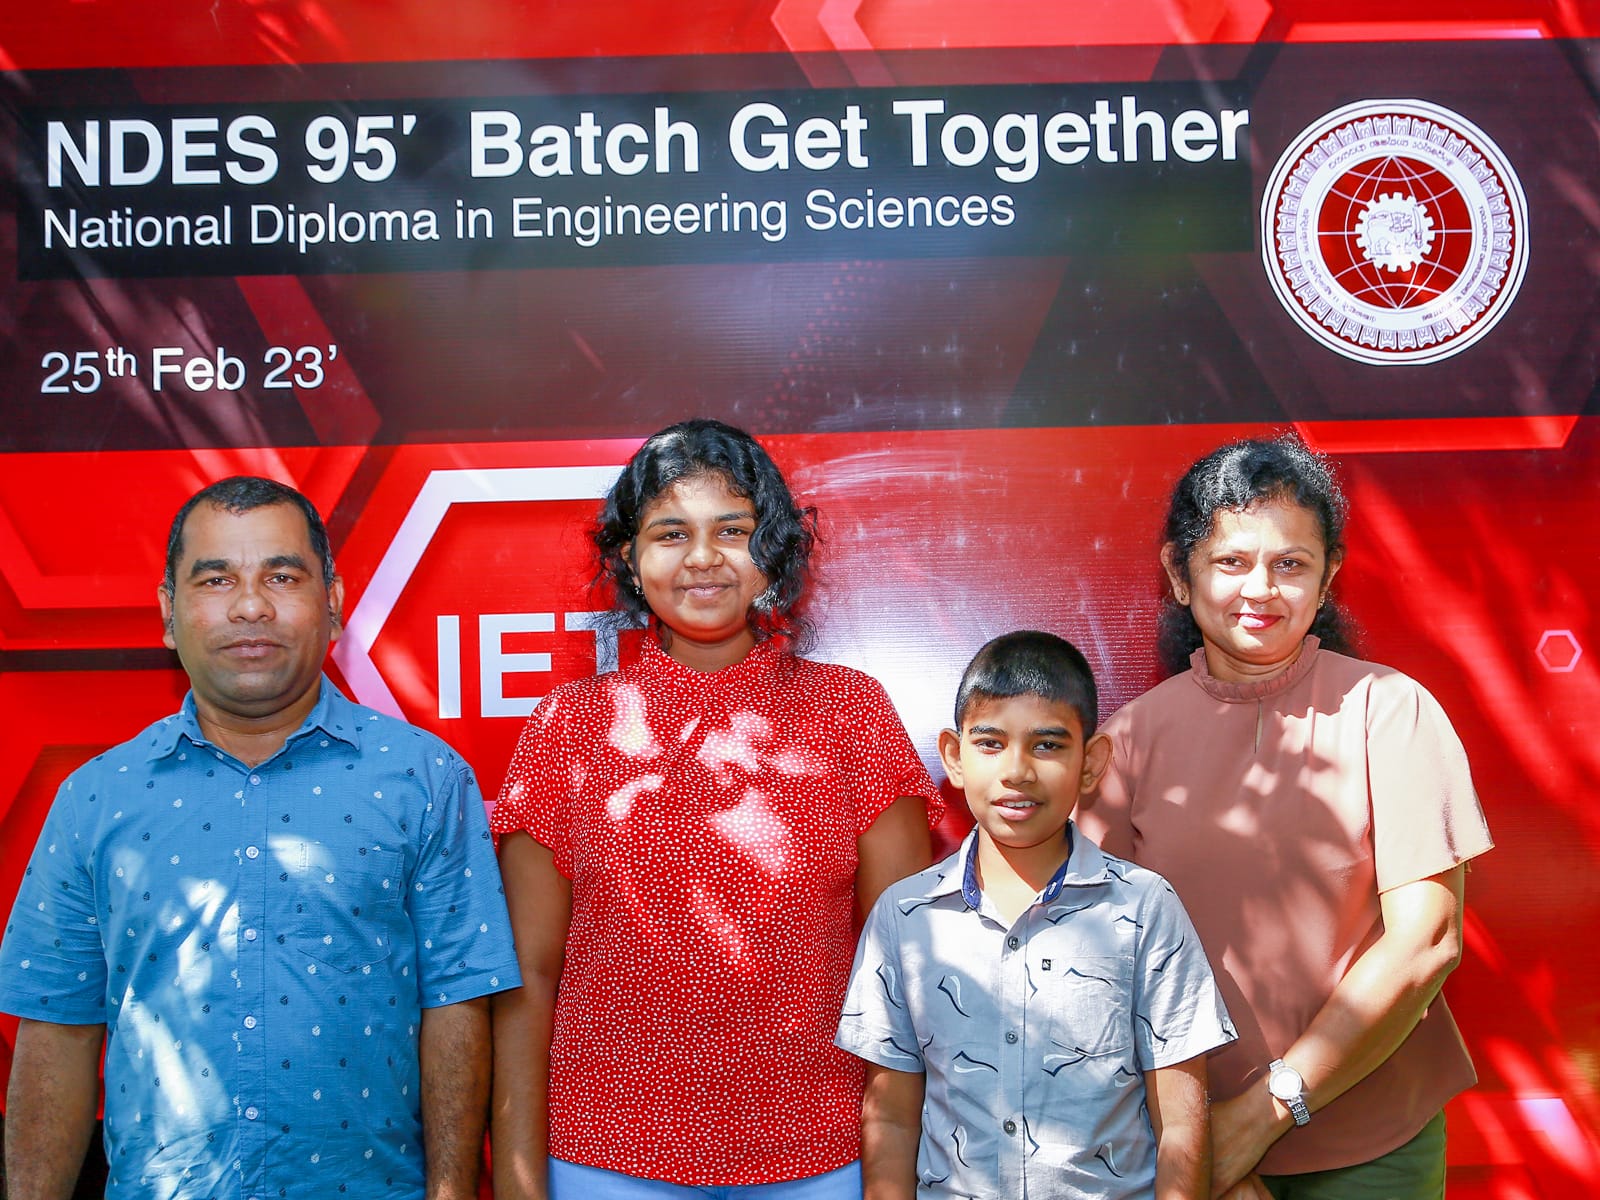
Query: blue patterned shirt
[
  {"x": 1034, "y": 1037},
  {"x": 260, "y": 943}
]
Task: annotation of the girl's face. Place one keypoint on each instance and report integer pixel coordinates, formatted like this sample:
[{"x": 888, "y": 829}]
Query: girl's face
[
  {"x": 691, "y": 560},
  {"x": 1254, "y": 586}
]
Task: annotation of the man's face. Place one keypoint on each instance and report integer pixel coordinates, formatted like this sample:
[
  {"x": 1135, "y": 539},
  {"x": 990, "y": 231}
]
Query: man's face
[{"x": 249, "y": 615}]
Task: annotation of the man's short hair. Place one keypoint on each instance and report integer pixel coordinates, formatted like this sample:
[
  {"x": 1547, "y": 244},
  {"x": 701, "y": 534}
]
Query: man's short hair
[
  {"x": 1030, "y": 662},
  {"x": 241, "y": 494}
]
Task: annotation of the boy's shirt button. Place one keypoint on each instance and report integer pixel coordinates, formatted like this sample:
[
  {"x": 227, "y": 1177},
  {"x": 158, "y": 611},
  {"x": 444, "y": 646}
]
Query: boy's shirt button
[
  {"x": 1011, "y": 1035},
  {"x": 1013, "y": 942},
  {"x": 1010, "y": 1127}
]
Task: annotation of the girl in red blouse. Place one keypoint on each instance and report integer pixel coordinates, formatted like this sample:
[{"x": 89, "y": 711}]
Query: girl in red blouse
[{"x": 687, "y": 844}]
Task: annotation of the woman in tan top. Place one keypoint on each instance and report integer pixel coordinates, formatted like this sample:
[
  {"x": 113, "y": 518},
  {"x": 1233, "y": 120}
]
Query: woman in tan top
[{"x": 1315, "y": 813}]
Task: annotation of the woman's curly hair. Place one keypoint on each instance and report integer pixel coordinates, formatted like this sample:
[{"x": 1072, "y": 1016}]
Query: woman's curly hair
[{"x": 780, "y": 546}]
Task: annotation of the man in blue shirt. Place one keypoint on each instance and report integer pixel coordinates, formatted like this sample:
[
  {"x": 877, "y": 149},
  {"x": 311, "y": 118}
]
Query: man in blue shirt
[{"x": 278, "y": 911}]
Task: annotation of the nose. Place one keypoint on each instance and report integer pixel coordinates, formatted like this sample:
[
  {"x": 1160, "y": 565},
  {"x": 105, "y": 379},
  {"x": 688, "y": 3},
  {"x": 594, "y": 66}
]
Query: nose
[
  {"x": 703, "y": 551},
  {"x": 1017, "y": 766},
  {"x": 250, "y": 602},
  {"x": 1257, "y": 583}
]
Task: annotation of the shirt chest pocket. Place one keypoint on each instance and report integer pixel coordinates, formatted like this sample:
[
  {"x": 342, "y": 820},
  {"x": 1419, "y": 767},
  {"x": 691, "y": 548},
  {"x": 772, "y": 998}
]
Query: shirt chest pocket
[
  {"x": 1087, "y": 1004},
  {"x": 345, "y": 903}
]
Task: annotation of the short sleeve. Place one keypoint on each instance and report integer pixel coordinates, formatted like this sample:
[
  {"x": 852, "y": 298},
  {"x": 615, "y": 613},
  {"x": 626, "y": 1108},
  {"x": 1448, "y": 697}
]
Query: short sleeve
[
  {"x": 541, "y": 782},
  {"x": 1178, "y": 1010},
  {"x": 875, "y": 1023},
  {"x": 1425, "y": 812},
  {"x": 457, "y": 904},
  {"x": 53, "y": 962},
  {"x": 883, "y": 764}
]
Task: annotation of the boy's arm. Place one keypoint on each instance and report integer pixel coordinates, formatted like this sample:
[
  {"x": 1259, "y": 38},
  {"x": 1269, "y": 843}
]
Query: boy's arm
[
  {"x": 1180, "y": 1113},
  {"x": 891, "y": 1126}
]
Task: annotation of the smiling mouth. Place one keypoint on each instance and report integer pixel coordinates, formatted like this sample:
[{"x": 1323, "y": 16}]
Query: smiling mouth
[
  {"x": 1015, "y": 807},
  {"x": 1250, "y": 620}
]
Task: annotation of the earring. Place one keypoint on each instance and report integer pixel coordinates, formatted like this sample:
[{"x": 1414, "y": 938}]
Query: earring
[{"x": 1321, "y": 601}]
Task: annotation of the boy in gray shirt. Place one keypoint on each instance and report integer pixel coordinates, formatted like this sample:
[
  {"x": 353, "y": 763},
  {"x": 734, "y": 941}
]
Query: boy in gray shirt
[{"x": 1034, "y": 1013}]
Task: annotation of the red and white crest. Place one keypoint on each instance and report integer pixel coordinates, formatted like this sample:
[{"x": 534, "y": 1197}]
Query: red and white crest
[{"x": 1394, "y": 231}]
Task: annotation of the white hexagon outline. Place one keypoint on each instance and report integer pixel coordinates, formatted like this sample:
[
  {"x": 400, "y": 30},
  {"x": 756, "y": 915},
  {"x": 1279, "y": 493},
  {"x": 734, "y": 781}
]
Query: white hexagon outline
[
  {"x": 353, "y": 650},
  {"x": 1550, "y": 635}
]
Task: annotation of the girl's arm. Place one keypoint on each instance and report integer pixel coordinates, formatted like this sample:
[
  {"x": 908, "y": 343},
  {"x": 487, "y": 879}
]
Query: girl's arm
[
  {"x": 1376, "y": 1005},
  {"x": 539, "y": 899},
  {"x": 895, "y": 845},
  {"x": 1180, "y": 1114},
  {"x": 891, "y": 1126}
]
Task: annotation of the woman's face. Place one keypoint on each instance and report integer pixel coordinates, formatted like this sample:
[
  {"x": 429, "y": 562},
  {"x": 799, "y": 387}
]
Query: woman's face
[
  {"x": 691, "y": 560},
  {"x": 1254, "y": 586}
]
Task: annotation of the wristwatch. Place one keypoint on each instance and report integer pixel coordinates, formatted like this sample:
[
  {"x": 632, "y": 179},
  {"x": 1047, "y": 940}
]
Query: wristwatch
[{"x": 1284, "y": 1082}]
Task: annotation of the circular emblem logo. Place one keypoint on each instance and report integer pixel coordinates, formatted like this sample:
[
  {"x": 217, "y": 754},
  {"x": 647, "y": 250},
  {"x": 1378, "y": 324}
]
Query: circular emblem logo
[{"x": 1394, "y": 231}]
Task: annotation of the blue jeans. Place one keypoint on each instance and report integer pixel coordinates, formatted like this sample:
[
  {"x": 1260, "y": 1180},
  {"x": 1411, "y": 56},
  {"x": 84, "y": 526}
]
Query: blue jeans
[{"x": 569, "y": 1181}]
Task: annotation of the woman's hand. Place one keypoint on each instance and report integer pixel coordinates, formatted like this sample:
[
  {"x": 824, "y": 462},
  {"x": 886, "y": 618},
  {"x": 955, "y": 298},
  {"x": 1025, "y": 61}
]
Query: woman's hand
[
  {"x": 1376, "y": 1005},
  {"x": 1242, "y": 1131},
  {"x": 1248, "y": 1188}
]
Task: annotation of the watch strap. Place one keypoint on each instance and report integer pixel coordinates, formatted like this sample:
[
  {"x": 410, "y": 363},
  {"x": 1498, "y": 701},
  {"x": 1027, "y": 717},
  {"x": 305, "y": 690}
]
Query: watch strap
[{"x": 1296, "y": 1104}]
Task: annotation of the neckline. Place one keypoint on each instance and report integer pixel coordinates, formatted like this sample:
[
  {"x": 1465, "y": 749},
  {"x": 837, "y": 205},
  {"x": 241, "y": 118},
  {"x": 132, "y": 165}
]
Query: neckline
[
  {"x": 760, "y": 659},
  {"x": 1248, "y": 692}
]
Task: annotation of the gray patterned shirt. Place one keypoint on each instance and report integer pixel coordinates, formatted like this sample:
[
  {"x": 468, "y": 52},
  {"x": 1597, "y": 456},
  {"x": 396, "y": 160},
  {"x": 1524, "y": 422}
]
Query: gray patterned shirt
[{"x": 1034, "y": 1038}]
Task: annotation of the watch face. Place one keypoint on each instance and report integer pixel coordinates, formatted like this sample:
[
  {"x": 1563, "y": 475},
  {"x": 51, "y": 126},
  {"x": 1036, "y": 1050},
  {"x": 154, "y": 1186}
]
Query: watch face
[{"x": 1285, "y": 1082}]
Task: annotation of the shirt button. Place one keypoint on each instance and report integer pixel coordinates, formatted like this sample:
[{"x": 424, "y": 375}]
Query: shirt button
[
  {"x": 1010, "y": 1127},
  {"x": 1011, "y": 1035},
  {"x": 252, "y": 851},
  {"x": 1013, "y": 942},
  {"x": 249, "y": 935},
  {"x": 255, "y": 779},
  {"x": 249, "y": 1022},
  {"x": 251, "y": 1113}
]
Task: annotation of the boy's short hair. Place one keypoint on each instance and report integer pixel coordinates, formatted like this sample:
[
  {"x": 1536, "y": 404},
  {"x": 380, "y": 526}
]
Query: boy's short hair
[{"x": 1030, "y": 662}]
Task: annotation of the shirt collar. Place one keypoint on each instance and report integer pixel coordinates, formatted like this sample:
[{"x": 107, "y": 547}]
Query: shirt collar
[
  {"x": 1085, "y": 866},
  {"x": 764, "y": 657},
  {"x": 1250, "y": 691},
  {"x": 333, "y": 714}
]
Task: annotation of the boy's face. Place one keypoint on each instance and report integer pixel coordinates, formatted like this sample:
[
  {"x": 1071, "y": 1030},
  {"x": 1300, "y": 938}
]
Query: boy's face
[{"x": 1022, "y": 762}]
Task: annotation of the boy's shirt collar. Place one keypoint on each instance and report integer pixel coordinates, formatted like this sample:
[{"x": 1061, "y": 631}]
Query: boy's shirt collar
[{"x": 1084, "y": 866}]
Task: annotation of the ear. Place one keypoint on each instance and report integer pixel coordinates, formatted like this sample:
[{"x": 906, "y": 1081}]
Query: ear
[
  {"x": 164, "y": 600},
  {"x": 1096, "y": 758},
  {"x": 1335, "y": 561},
  {"x": 1174, "y": 567},
  {"x": 335, "y": 609},
  {"x": 950, "y": 755}
]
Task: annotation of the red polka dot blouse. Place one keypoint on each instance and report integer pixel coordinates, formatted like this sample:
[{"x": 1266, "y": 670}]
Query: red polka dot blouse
[{"x": 708, "y": 824}]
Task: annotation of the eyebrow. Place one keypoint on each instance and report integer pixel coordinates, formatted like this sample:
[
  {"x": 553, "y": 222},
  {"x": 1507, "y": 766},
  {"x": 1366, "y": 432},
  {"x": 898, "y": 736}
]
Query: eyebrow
[
  {"x": 1058, "y": 731},
  {"x": 745, "y": 515},
  {"x": 214, "y": 566}
]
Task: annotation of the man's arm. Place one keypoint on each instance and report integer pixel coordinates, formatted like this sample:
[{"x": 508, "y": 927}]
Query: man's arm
[
  {"x": 50, "y": 1106},
  {"x": 454, "y": 1054},
  {"x": 1180, "y": 1113},
  {"x": 539, "y": 898},
  {"x": 891, "y": 1127}
]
